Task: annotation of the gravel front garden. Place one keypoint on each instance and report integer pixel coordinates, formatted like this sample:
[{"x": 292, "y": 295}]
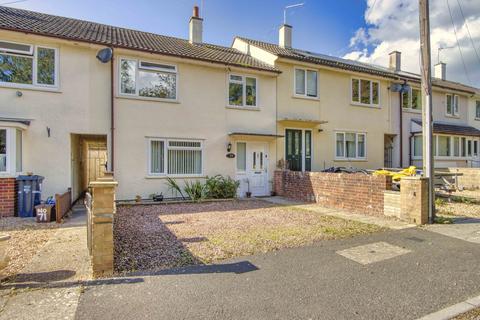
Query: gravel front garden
[
  {"x": 155, "y": 237},
  {"x": 26, "y": 238}
]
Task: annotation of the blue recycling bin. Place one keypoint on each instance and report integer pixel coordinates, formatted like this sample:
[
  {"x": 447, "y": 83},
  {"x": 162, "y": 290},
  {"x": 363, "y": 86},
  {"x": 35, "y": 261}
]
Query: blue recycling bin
[{"x": 29, "y": 194}]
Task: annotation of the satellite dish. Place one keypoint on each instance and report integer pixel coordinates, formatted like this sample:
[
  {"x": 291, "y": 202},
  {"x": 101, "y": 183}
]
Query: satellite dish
[{"x": 105, "y": 55}]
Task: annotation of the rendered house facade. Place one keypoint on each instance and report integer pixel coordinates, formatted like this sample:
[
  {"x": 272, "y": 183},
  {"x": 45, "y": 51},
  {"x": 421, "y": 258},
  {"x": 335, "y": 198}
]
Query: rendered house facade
[{"x": 167, "y": 107}]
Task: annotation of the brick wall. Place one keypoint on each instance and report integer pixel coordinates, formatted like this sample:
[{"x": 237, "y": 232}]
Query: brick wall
[
  {"x": 352, "y": 192},
  {"x": 7, "y": 196},
  {"x": 391, "y": 204}
]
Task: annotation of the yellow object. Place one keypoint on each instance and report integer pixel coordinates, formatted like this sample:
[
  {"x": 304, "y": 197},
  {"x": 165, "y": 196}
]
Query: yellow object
[{"x": 396, "y": 176}]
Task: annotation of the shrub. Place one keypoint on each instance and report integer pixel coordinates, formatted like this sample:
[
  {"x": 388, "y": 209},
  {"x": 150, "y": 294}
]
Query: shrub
[
  {"x": 219, "y": 187},
  {"x": 196, "y": 190}
]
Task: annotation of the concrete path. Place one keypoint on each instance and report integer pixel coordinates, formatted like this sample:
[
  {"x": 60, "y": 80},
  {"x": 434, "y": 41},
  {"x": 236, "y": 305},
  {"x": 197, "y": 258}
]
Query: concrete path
[
  {"x": 50, "y": 286},
  {"x": 398, "y": 274},
  {"x": 379, "y": 221},
  {"x": 467, "y": 229}
]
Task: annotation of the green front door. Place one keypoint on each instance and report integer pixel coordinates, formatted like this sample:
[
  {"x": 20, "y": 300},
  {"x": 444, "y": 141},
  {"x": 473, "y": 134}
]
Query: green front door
[{"x": 293, "y": 149}]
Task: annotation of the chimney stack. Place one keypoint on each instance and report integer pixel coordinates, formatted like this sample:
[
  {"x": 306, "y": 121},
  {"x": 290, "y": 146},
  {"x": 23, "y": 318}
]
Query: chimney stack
[
  {"x": 285, "y": 36},
  {"x": 395, "y": 61},
  {"x": 196, "y": 27},
  {"x": 441, "y": 71}
]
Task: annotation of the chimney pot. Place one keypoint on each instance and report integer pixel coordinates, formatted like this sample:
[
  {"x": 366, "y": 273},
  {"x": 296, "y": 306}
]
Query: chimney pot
[
  {"x": 196, "y": 27},
  {"x": 395, "y": 63},
  {"x": 285, "y": 36},
  {"x": 441, "y": 71}
]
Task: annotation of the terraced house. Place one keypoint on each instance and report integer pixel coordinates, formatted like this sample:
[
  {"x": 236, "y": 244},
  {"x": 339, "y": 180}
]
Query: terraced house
[
  {"x": 78, "y": 98},
  {"x": 338, "y": 112}
]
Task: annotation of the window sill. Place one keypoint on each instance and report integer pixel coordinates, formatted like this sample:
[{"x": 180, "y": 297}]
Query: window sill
[
  {"x": 29, "y": 87},
  {"x": 295, "y": 96},
  {"x": 369, "y": 106},
  {"x": 5, "y": 175},
  {"x": 409, "y": 110},
  {"x": 452, "y": 116},
  {"x": 350, "y": 160},
  {"x": 201, "y": 176},
  {"x": 243, "y": 108},
  {"x": 148, "y": 99}
]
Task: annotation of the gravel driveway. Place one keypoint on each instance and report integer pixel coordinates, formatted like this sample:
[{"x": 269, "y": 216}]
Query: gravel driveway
[{"x": 163, "y": 236}]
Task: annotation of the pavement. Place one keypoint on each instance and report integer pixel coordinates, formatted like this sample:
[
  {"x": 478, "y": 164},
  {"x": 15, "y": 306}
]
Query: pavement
[
  {"x": 400, "y": 274},
  {"x": 49, "y": 287}
]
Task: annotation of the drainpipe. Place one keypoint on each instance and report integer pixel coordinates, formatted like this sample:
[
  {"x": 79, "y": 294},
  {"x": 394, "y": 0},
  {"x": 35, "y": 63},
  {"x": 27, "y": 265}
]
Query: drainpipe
[
  {"x": 410, "y": 149},
  {"x": 112, "y": 113},
  {"x": 401, "y": 129}
]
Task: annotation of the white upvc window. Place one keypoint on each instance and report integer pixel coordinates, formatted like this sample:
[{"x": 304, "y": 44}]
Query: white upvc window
[
  {"x": 477, "y": 110},
  {"x": 306, "y": 83},
  {"x": 242, "y": 91},
  {"x": 451, "y": 104},
  {"x": 447, "y": 146},
  {"x": 175, "y": 157},
  {"x": 147, "y": 79},
  {"x": 365, "y": 92},
  {"x": 10, "y": 150},
  {"x": 350, "y": 145},
  {"x": 412, "y": 99},
  {"x": 27, "y": 65}
]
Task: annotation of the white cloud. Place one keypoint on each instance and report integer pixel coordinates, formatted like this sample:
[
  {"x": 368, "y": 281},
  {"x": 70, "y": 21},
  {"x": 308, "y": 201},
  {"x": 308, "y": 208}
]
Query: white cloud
[{"x": 394, "y": 25}]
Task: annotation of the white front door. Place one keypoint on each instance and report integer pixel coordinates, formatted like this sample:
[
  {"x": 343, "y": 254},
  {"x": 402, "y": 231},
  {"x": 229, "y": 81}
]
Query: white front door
[{"x": 257, "y": 168}]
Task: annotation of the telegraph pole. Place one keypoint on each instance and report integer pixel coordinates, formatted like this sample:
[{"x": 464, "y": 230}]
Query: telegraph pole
[{"x": 427, "y": 120}]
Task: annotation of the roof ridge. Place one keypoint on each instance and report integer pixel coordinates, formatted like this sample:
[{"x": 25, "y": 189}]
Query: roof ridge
[{"x": 44, "y": 24}]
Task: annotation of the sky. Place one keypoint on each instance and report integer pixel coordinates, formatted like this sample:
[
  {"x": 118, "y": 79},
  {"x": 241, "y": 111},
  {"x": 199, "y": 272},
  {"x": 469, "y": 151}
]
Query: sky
[{"x": 365, "y": 30}]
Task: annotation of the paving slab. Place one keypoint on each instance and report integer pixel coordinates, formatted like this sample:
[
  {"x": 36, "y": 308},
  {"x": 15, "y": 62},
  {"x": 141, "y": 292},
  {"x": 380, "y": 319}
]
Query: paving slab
[{"x": 302, "y": 283}]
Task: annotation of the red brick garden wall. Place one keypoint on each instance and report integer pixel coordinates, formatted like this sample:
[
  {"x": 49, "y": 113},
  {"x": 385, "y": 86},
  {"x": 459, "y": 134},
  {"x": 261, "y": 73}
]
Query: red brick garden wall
[
  {"x": 357, "y": 192},
  {"x": 7, "y": 196}
]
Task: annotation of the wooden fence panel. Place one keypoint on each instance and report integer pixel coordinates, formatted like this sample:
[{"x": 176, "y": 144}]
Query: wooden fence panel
[{"x": 63, "y": 203}]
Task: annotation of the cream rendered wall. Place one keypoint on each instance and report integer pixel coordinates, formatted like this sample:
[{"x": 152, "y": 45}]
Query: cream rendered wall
[
  {"x": 200, "y": 113},
  {"x": 80, "y": 105},
  {"x": 334, "y": 106},
  {"x": 472, "y": 119}
]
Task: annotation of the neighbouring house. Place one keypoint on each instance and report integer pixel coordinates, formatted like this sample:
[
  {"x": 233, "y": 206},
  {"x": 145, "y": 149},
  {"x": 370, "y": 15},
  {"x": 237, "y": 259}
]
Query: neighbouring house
[
  {"x": 338, "y": 112},
  {"x": 78, "y": 98}
]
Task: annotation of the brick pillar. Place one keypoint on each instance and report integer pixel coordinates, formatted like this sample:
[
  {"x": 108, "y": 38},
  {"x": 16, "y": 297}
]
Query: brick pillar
[
  {"x": 414, "y": 199},
  {"x": 101, "y": 223},
  {"x": 7, "y": 197},
  {"x": 278, "y": 182}
]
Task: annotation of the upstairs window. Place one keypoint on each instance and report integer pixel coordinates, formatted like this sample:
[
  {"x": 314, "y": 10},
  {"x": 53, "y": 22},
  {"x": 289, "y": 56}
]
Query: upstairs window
[
  {"x": 365, "y": 92},
  {"x": 477, "y": 110},
  {"x": 306, "y": 83},
  {"x": 452, "y": 105},
  {"x": 412, "y": 99},
  {"x": 147, "y": 79},
  {"x": 26, "y": 64},
  {"x": 242, "y": 91}
]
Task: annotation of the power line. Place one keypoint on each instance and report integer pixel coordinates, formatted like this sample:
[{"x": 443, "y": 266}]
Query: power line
[
  {"x": 371, "y": 9},
  {"x": 468, "y": 31},
  {"x": 458, "y": 43}
]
